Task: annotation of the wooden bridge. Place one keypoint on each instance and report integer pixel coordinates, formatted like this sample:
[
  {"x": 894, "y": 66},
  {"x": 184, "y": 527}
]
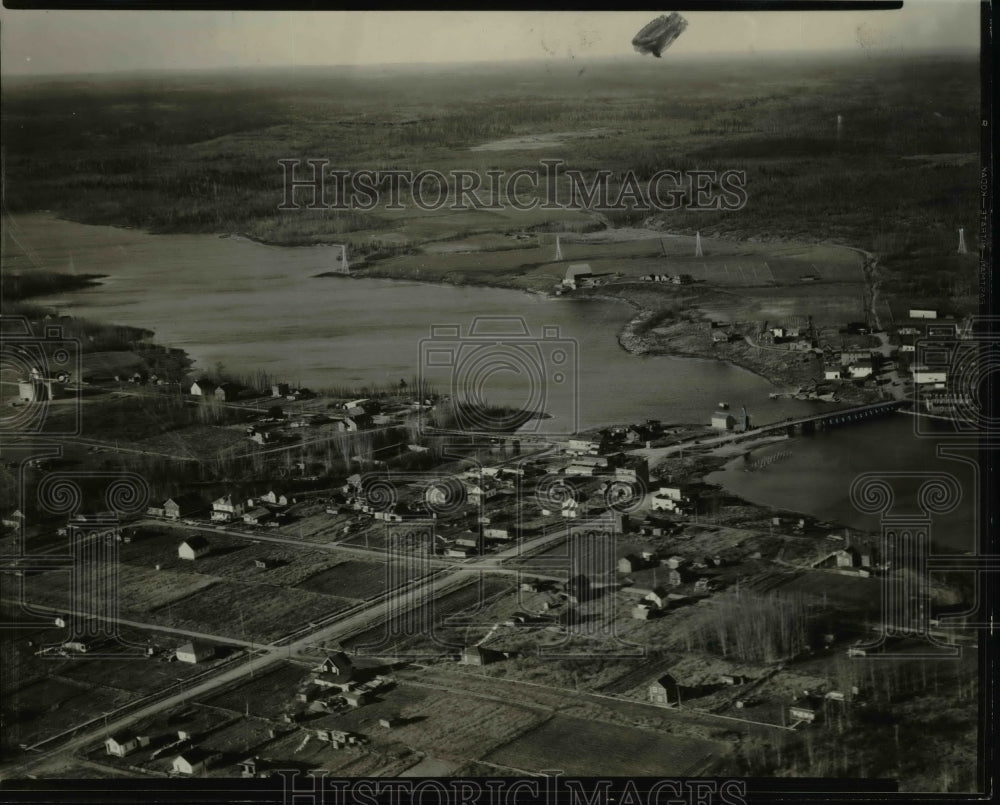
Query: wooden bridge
[{"x": 831, "y": 419}]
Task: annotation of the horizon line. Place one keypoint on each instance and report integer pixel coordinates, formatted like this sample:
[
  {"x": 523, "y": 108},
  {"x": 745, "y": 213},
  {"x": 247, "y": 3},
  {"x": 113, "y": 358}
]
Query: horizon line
[{"x": 445, "y": 66}]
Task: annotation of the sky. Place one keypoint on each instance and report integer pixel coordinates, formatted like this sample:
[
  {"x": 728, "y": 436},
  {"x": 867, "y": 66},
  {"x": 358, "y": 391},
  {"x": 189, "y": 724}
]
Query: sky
[{"x": 52, "y": 42}]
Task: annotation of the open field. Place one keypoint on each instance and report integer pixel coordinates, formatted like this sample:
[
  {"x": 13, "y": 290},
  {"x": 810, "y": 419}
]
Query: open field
[
  {"x": 357, "y": 579},
  {"x": 260, "y": 613},
  {"x": 579, "y": 747},
  {"x": 45, "y": 694}
]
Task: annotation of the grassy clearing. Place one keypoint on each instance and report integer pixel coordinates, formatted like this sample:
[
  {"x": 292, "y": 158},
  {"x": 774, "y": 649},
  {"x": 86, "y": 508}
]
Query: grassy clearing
[
  {"x": 261, "y": 613},
  {"x": 581, "y": 747}
]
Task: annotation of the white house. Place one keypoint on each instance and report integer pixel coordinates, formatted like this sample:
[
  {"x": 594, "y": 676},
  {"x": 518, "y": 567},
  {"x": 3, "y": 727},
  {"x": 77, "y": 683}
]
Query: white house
[
  {"x": 122, "y": 744},
  {"x": 192, "y": 762},
  {"x": 722, "y": 420},
  {"x": 194, "y": 652},
  {"x": 583, "y": 447},
  {"x": 831, "y": 373},
  {"x": 193, "y": 548},
  {"x": 920, "y": 313},
  {"x": 923, "y": 375},
  {"x": 861, "y": 368},
  {"x": 203, "y": 388},
  {"x": 225, "y": 509},
  {"x": 274, "y": 499}
]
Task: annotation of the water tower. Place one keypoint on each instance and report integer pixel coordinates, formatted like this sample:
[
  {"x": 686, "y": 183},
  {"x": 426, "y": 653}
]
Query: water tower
[
  {"x": 559, "y": 255},
  {"x": 961, "y": 241},
  {"x": 697, "y": 245}
]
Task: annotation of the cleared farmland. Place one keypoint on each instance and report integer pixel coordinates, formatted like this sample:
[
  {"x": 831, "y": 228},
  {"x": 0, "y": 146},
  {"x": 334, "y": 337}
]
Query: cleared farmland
[{"x": 580, "y": 747}]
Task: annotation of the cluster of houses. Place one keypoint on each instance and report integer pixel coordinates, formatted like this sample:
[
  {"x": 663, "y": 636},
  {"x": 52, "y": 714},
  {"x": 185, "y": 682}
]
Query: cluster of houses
[
  {"x": 794, "y": 338},
  {"x": 223, "y": 392},
  {"x": 862, "y": 364},
  {"x": 723, "y": 333},
  {"x": 190, "y": 760},
  {"x": 674, "y": 499},
  {"x": 333, "y": 684},
  {"x": 857, "y": 364},
  {"x": 268, "y": 509},
  {"x": 656, "y": 599}
]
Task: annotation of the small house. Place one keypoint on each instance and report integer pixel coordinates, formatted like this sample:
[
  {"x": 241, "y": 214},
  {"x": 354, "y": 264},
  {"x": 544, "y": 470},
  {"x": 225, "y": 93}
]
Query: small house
[
  {"x": 722, "y": 420},
  {"x": 356, "y": 698},
  {"x": 203, "y": 388},
  {"x": 922, "y": 375},
  {"x": 657, "y": 597},
  {"x": 123, "y": 744},
  {"x": 257, "y": 516},
  {"x": 193, "y": 762},
  {"x": 274, "y": 498},
  {"x": 228, "y": 392},
  {"x": 194, "y": 652},
  {"x": 805, "y": 714},
  {"x": 186, "y": 505},
  {"x": 338, "y": 665},
  {"x": 663, "y": 690},
  {"x": 193, "y": 548},
  {"x": 253, "y": 767},
  {"x": 922, "y": 313},
  {"x": 630, "y": 564},
  {"x": 863, "y": 367},
  {"x": 641, "y": 612},
  {"x": 477, "y": 655}
]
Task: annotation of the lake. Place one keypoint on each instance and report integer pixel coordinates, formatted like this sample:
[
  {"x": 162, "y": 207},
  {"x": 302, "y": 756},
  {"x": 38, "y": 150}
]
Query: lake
[
  {"x": 813, "y": 474},
  {"x": 249, "y": 306}
]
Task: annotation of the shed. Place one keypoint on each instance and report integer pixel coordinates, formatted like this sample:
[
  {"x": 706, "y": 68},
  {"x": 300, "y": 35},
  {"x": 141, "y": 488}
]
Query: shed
[
  {"x": 477, "y": 655},
  {"x": 257, "y": 516},
  {"x": 191, "y": 762},
  {"x": 195, "y": 652},
  {"x": 356, "y": 698},
  {"x": 193, "y": 548}
]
